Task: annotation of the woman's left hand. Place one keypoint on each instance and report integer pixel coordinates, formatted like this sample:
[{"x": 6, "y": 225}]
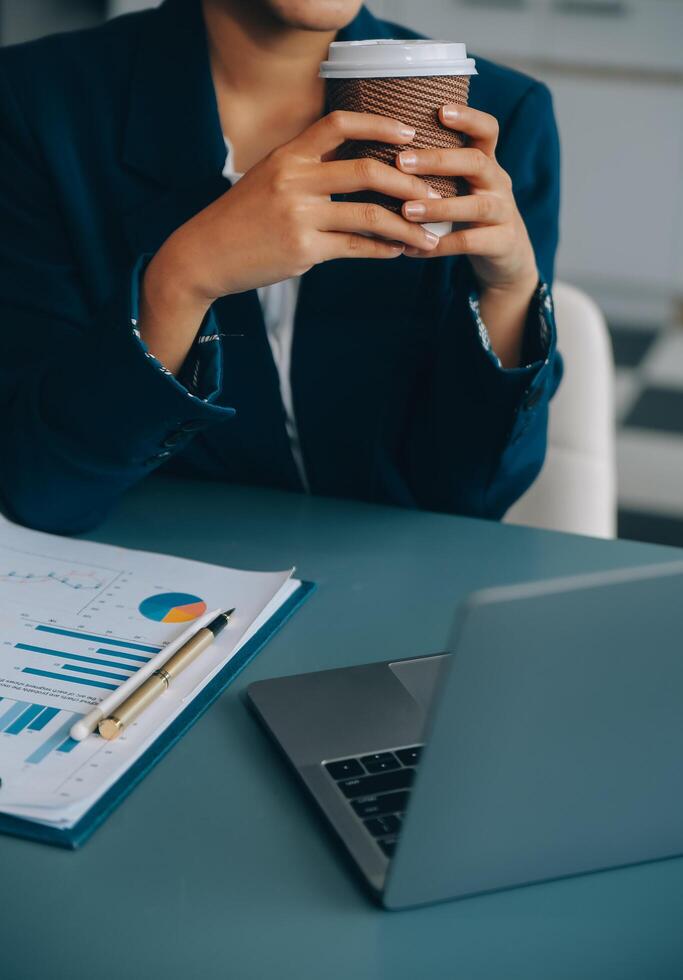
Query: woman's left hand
[{"x": 494, "y": 238}]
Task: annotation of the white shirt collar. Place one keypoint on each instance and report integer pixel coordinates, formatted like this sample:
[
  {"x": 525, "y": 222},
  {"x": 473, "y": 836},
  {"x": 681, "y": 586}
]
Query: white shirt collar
[{"x": 228, "y": 172}]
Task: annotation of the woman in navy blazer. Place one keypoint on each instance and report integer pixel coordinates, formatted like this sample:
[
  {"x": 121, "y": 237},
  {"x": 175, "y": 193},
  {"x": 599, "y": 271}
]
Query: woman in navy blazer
[{"x": 131, "y": 335}]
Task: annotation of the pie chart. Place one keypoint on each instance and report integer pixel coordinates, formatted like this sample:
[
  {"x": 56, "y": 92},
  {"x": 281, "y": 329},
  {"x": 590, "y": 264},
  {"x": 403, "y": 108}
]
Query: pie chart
[{"x": 172, "y": 607}]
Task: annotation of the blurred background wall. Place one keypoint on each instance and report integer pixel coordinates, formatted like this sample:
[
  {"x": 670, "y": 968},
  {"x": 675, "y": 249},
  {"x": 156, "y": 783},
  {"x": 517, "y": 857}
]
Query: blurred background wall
[{"x": 615, "y": 68}]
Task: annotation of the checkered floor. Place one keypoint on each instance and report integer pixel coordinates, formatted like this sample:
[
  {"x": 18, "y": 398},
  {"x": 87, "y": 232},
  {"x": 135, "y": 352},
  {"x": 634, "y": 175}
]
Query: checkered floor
[{"x": 649, "y": 396}]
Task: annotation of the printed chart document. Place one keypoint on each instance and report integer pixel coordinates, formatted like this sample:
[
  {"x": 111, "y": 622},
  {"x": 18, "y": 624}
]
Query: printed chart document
[{"x": 76, "y": 620}]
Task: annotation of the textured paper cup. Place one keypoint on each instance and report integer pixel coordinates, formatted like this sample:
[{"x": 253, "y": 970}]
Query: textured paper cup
[{"x": 406, "y": 80}]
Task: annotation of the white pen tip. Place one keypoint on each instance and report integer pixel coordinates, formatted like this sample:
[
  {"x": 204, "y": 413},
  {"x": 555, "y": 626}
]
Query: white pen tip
[{"x": 79, "y": 731}]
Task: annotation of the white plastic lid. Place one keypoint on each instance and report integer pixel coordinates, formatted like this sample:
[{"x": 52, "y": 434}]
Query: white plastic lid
[{"x": 384, "y": 58}]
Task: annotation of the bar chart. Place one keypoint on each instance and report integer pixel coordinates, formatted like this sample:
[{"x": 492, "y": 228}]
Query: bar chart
[
  {"x": 21, "y": 718},
  {"x": 53, "y": 670},
  {"x": 121, "y": 658}
]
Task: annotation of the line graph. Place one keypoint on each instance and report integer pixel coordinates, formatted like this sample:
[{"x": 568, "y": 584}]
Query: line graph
[
  {"x": 72, "y": 579},
  {"x": 27, "y": 578}
]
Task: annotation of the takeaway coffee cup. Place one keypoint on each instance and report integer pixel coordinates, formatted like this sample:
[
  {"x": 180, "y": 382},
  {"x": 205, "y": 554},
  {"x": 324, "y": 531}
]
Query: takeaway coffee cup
[{"x": 408, "y": 80}]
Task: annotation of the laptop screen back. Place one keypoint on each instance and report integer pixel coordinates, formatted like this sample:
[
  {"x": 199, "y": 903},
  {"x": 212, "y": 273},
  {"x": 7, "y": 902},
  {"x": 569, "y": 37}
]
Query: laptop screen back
[{"x": 556, "y": 743}]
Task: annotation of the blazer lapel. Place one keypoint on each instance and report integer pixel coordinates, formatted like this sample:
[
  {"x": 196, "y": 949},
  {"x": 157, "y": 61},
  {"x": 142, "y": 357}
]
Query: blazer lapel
[{"x": 173, "y": 133}]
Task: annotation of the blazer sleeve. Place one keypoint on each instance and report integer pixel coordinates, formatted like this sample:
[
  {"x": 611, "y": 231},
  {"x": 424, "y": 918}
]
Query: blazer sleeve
[
  {"x": 478, "y": 434},
  {"x": 85, "y": 410}
]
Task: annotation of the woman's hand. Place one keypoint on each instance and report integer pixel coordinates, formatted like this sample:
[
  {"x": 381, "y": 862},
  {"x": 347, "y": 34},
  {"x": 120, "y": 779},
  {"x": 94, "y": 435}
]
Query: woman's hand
[
  {"x": 278, "y": 222},
  {"x": 494, "y": 236}
]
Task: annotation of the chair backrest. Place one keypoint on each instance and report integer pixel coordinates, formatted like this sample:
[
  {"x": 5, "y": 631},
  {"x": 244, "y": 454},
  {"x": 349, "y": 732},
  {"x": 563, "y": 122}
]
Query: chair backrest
[{"x": 576, "y": 489}]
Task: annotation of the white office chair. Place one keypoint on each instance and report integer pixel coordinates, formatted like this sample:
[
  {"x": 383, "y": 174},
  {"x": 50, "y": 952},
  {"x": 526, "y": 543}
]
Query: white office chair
[{"x": 576, "y": 489}]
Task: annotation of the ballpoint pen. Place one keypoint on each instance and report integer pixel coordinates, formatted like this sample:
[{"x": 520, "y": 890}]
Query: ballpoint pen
[
  {"x": 88, "y": 723},
  {"x": 155, "y": 685}
]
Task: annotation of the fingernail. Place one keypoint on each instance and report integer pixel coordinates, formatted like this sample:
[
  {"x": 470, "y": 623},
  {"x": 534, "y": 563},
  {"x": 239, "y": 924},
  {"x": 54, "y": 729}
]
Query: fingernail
[
  {"x": 431, "y": 239},
  {"x": 414, "y": 209},
  {"x": 432, "y": 193},
  {"x": 406, "y": 131},
  {"x": 407, "y": 160},
  {"x": 450, "y": 113}
]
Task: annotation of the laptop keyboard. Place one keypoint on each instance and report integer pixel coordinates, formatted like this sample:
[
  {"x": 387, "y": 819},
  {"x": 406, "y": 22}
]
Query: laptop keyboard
[{"x": 377, "y": 787}]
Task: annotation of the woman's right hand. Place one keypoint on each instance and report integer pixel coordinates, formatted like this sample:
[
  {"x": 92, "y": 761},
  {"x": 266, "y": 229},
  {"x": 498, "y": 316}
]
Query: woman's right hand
[{"x": 277, "y": 222}]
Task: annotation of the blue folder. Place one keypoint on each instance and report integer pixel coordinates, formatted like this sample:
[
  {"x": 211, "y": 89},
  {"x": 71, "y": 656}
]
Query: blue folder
[{"x": 73, "y": 837}]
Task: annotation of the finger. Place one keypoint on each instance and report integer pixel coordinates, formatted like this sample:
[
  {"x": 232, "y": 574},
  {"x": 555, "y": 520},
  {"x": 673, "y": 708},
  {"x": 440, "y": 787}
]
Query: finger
[
  {"x": 480, "y": 170},
  {"x": 333, "y": 129},
  {"x": 366, "y": 174},
  {"x": 465, "y": 241},
  {"x": 481, "y": 127},
  {"x": 479, "y": 208},
  {"x": 344, "y": 245},
  {"x": 376, "y": 220}
]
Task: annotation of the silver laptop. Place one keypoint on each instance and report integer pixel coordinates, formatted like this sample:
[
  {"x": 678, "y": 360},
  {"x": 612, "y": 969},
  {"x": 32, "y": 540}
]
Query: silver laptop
[{"x": 549, "y": 742}]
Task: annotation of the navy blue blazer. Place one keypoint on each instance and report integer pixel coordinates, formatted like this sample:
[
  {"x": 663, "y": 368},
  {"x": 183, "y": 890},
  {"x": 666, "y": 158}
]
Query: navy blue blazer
[{"x": 109, "y": 140}]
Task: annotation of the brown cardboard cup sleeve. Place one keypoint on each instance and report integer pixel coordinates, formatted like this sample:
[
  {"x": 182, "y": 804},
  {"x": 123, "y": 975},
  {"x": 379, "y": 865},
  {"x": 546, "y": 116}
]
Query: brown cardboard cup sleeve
[{"x": 412, "y": 100}]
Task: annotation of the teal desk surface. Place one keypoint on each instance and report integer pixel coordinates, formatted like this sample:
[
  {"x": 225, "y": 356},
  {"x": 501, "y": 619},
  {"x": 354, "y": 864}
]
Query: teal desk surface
[{"x": 217, "y": 866}]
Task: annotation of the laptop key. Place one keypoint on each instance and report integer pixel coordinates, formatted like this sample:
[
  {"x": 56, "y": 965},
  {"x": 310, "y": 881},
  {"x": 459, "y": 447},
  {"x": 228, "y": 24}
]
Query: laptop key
[
  {"x": 409, "y": 757},
  {"x": 372, "y": 806},
  {"x": 380, "y": 761},
  {"x": 388, "y": 845},
  {"x": 383, "y": 782},
  {"x": 344, "y": 768},
  {"x": 381, "y": 826}
]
